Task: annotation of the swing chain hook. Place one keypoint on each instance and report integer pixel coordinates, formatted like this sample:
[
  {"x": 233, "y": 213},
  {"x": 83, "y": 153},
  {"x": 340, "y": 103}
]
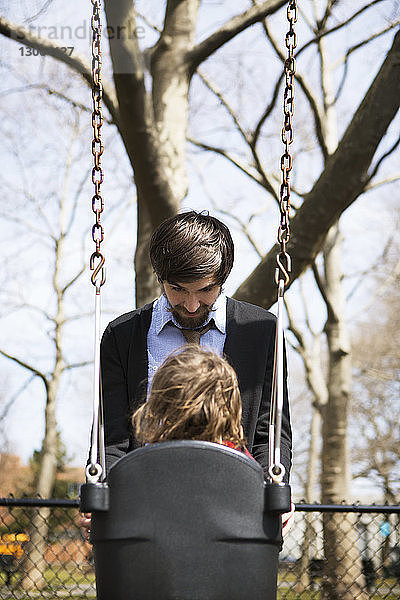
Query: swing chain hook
[
  {"x": 97, "y": 268},
  {"x": 283, "y": 259},
  {"x": 97, "y": 259}
]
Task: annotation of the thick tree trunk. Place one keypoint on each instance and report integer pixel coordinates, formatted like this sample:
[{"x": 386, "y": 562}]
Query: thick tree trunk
[
  {"x": 335, "y": 476},
  {"x": 146, "y": 284},
  {"x": 136, "y": 118},
  {"x": 343, "y": 578},
  {"x": 153, "y": 125},
  {"x": 170, "y": 94}
]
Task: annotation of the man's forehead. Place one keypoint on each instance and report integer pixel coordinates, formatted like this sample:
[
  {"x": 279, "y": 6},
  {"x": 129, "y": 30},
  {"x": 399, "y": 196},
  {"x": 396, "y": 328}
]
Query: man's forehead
[{"x": 197, "y": 285}]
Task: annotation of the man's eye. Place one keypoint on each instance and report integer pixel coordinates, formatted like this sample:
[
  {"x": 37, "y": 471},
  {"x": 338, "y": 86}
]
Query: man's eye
[{"x": 176, "y": 289}]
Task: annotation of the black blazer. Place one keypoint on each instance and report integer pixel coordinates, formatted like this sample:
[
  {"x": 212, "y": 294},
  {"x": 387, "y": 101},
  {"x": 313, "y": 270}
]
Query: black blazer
[{"x": 249, "y": 347}]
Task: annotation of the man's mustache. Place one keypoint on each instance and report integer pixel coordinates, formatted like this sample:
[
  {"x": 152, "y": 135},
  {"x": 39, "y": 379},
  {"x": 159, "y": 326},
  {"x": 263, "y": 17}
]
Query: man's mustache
[{"x": 171, "y": 309}]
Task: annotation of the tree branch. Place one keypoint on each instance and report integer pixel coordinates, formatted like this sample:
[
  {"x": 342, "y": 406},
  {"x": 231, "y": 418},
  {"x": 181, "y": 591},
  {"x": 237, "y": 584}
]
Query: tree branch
[
  {"x": 380, "y": 161},
  {"x": 32, "y": 307},
  {"x": 301, "y": 348},
  {"x": 321, "y": 284},
  {"x": 41, "y": 11},
  {"x": 244, "y": 227},
  {"x": 268, "y": 110},
  {"x": 382, "y": 182},
  {"x": 322, "y": 33},
  {"x": 254, "y": 176},
  {"x": 311, "y": 362},
  {"x": 73, "y": 280},
  {"x": 319, "y": 35},
  {"x": 77, "y": 365},
  {"x": 51, "y": 92},
  {"x": 14, "y": 397},
  {"x": 352, "y": 49},
  {"x": 213, "y": 89},
  {"x": 307, "y": 92},
  {"x": 25, "y": 224},
  {"x": 21, "y": 363},
  {"x": 228, "y": 31},
  {"x": 246, "y": 137},
  {"x": 338, "y": 186},
  {"x": 23, "y": 36}
]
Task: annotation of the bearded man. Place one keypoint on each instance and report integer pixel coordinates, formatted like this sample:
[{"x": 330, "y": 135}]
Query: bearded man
[{"x": 192, "y": 255}]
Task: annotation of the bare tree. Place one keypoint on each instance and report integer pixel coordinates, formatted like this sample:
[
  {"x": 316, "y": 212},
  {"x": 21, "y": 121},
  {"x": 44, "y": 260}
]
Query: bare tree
[
  {"x": 149, "y": 105},
  {"x": 376, "y": 356},
  {"x": 57, "y": 236}
]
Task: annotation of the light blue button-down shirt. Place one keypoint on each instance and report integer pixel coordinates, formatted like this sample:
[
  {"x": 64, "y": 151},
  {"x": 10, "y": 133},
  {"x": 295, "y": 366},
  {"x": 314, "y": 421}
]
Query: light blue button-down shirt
[{"x": 163, "y": 337}]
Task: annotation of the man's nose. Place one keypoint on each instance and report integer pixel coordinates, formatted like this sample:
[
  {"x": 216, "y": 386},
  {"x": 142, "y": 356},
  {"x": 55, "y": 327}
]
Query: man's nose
[{"x": 191, "y": 303}]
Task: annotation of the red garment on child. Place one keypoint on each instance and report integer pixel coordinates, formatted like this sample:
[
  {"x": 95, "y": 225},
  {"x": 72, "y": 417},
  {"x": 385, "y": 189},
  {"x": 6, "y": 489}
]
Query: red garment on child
[{"x": 244, "y": 450}]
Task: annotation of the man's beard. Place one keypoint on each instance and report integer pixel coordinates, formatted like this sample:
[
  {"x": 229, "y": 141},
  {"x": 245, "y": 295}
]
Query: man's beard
[{"x": 201, "y": 315}]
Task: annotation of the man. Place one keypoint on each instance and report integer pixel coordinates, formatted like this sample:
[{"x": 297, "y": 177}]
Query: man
[{"x": 192, "y": 256}]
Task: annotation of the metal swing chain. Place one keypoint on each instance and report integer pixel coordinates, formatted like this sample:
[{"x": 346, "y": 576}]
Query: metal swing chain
[
  {"x": 96, "y": 468},
  {"x": 97, "y": 259},
  {"x": 283, "y": 258},
  {"x": 275, "y": 469}
]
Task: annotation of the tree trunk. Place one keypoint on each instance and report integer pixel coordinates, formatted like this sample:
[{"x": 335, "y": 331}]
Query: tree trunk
[
  {"x": 170, "y": 93},
  {"x": 146, "y": 283},
  {"x": 308, "y": 549},
  {"x": 35, "y": 564},
  {"x": 153, "y": 126},
  {"x": 316, "y": 383},
  {"x": 343, "y": 578},
  {"x": 170, "y": 101}
]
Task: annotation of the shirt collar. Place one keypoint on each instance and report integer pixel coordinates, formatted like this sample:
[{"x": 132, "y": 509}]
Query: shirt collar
[
  {"x": 162, "y": 315},
  {"x": 219, "y": 314}
]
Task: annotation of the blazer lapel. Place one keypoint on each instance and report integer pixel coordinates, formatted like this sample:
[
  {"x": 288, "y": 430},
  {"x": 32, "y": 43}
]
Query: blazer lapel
[
  {"x": 233, "y": 346},
  {"x": 138, "y": 359}
]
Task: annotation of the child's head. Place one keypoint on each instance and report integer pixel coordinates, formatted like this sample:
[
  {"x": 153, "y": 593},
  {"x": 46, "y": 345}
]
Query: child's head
[{"x": 194, "y": 396}]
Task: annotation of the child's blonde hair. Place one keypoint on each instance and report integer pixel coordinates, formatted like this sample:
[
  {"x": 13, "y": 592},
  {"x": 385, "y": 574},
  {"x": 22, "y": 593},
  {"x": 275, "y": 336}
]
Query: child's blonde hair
[{"x": 194, "y": 395}]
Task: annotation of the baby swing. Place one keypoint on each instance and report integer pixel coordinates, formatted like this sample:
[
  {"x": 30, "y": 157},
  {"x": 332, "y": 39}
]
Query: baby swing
[{"x": 187, "y": 520}]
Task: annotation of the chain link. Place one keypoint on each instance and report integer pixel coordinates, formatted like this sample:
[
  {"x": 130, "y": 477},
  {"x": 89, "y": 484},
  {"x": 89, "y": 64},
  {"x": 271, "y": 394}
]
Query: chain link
[
  {"x": 97, "y": 259},
  {"x": 283, "y": 259}
]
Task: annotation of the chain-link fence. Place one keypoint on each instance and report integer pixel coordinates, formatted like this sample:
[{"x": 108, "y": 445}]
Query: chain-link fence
[
  {"x": 43, "y": 553},
  {"x": 341, "y": 552}
]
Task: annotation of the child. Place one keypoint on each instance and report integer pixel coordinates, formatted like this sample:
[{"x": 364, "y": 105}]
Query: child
[{"x": 194, "y": 396}]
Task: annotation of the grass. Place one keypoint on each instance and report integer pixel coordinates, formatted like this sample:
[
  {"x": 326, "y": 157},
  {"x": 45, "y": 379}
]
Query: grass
[
  {"x": 73, "y": 576},
  {"x": 315, "y": 595},
  {"x": 59, "y": 581},
  {"x": 63, "y": 583}
]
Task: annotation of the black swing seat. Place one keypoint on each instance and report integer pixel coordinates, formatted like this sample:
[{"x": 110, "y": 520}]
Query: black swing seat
[{"x": 187, "y": 520}]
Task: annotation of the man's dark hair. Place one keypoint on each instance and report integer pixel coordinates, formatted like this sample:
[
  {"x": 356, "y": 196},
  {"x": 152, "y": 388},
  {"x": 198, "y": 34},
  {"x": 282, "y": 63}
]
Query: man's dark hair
[{"x": 190, "y": 246}]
